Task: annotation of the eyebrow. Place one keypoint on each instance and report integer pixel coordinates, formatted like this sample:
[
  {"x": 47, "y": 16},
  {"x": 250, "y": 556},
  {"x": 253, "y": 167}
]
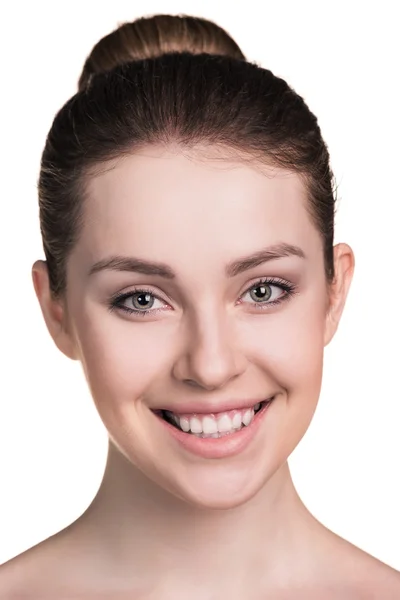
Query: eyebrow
[
  {"x": 137, "y": 265},
  {"x": 262, "y": 256}
]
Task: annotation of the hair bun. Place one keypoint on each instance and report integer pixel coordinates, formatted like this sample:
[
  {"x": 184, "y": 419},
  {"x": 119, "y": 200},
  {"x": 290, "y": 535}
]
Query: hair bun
[{"x": 150, "y": 37}]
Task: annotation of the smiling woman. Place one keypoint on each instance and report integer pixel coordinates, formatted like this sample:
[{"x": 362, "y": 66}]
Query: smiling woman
[{"x": 187, "y": 214}]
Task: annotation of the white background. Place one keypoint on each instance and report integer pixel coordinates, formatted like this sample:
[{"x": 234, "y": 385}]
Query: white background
[{"x": 343, "y": 58}]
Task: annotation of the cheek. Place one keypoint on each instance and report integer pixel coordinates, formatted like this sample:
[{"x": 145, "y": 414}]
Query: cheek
[
  {"x": 289, "y": 346},
  {"x": 120, "y": 358}
]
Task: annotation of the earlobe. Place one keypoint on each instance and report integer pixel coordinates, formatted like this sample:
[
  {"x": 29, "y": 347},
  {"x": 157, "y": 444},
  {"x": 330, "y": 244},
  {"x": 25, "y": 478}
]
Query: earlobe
[
  {"x": 338, "y": 289},
  {"x": 53, "y": 311}
]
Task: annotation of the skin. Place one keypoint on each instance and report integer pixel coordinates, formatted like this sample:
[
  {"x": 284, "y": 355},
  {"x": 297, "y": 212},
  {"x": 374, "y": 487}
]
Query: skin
[{"x": 165, "y": 523}]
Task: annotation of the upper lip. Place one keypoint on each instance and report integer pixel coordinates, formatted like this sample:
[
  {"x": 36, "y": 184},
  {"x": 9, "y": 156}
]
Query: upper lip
[{"x": 207, "y": 408}]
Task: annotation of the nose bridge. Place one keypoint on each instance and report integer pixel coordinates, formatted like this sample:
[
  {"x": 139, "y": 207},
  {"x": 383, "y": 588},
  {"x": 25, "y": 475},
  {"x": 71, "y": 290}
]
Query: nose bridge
[{"x": 210, "y": 356}]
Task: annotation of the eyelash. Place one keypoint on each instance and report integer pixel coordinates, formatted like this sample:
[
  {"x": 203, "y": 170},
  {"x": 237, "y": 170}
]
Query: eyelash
[{"x": 288, "y": 288}]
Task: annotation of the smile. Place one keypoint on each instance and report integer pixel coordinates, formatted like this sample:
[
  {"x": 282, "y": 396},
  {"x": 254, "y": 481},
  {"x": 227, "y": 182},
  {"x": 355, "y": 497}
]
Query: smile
[
  {"x": 215, "y": 435},
  {"x": 213, "y": 425}
]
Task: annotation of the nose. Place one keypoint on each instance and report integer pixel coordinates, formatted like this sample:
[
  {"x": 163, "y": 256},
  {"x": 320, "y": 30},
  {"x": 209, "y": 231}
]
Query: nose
[{"x": 209, "y": 358}]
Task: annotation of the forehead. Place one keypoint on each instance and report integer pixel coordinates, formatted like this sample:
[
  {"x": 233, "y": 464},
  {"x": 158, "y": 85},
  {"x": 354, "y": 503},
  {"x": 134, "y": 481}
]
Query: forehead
[{"x": 163, "y": 202}]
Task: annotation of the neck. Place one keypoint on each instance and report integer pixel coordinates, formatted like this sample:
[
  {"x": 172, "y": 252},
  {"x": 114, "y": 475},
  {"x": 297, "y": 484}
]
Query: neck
[{"x": 137, "y": 527}]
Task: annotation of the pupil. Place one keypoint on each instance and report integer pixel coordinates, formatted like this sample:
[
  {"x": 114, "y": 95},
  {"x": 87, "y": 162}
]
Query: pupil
[
  {"x": 142, "y": 300},
  {"x": 261, "y": 292}
]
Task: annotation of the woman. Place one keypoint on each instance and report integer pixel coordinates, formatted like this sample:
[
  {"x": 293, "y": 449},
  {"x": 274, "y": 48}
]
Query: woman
[{"x": 187, "y": 214}]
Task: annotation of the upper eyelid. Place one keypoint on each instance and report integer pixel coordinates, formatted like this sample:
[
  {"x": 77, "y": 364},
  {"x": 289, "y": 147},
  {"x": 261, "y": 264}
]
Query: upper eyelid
[{"x": 140, "y": 289}]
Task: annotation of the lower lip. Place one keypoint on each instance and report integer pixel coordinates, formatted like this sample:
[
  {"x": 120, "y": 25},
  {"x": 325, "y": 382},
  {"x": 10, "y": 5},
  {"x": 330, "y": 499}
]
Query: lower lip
[{"x": 223, "y": 447}]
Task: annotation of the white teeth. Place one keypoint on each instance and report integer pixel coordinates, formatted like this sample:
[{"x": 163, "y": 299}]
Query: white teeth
[
  {"x": 213, "y": 426},
  {"x": 237, "y": 421},
  {"x": 209, "y": 425},
  {"x": 184, "y": 424},
  {"x": 195, "y": 425},
  {"x": 248, "y": 417},
  {"x": 224, "y": 424}
]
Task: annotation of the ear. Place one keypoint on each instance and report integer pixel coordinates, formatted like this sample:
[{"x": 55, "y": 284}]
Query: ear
[
  {"x": 338, "y": 289},
  {"x": 53, "y": 310}
]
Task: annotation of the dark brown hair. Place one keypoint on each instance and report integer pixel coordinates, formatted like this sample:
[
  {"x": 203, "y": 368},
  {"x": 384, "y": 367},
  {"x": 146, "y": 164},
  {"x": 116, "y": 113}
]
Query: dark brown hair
[
  {"x": 161, "y": 34},
  {"x": 162, "y": 80}
]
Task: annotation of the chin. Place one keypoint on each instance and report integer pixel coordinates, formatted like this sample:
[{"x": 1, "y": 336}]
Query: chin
[{"x": 220, "y": 487}]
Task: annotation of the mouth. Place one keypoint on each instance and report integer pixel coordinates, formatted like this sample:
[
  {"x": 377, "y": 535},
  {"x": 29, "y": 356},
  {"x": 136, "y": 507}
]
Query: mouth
[
  {"x": 214, "y": 425},
  {"x": 216, "y": 435}
]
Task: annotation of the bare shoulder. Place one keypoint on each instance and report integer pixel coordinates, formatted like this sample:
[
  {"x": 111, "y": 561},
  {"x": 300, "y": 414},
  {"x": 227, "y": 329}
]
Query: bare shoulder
[
  {"x": 61, "y": 567},
  {"x": 17, "y": 574},
  {"x": 382, "y": 581},
  {"x": 367, "y": 577},
  {"x": 38, "y": 571},
  {"x": 386, "y": 579}
]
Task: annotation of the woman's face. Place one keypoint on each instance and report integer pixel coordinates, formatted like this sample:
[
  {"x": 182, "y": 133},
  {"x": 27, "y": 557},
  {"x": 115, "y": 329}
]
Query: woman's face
[{"x": 226, "y": 328}]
